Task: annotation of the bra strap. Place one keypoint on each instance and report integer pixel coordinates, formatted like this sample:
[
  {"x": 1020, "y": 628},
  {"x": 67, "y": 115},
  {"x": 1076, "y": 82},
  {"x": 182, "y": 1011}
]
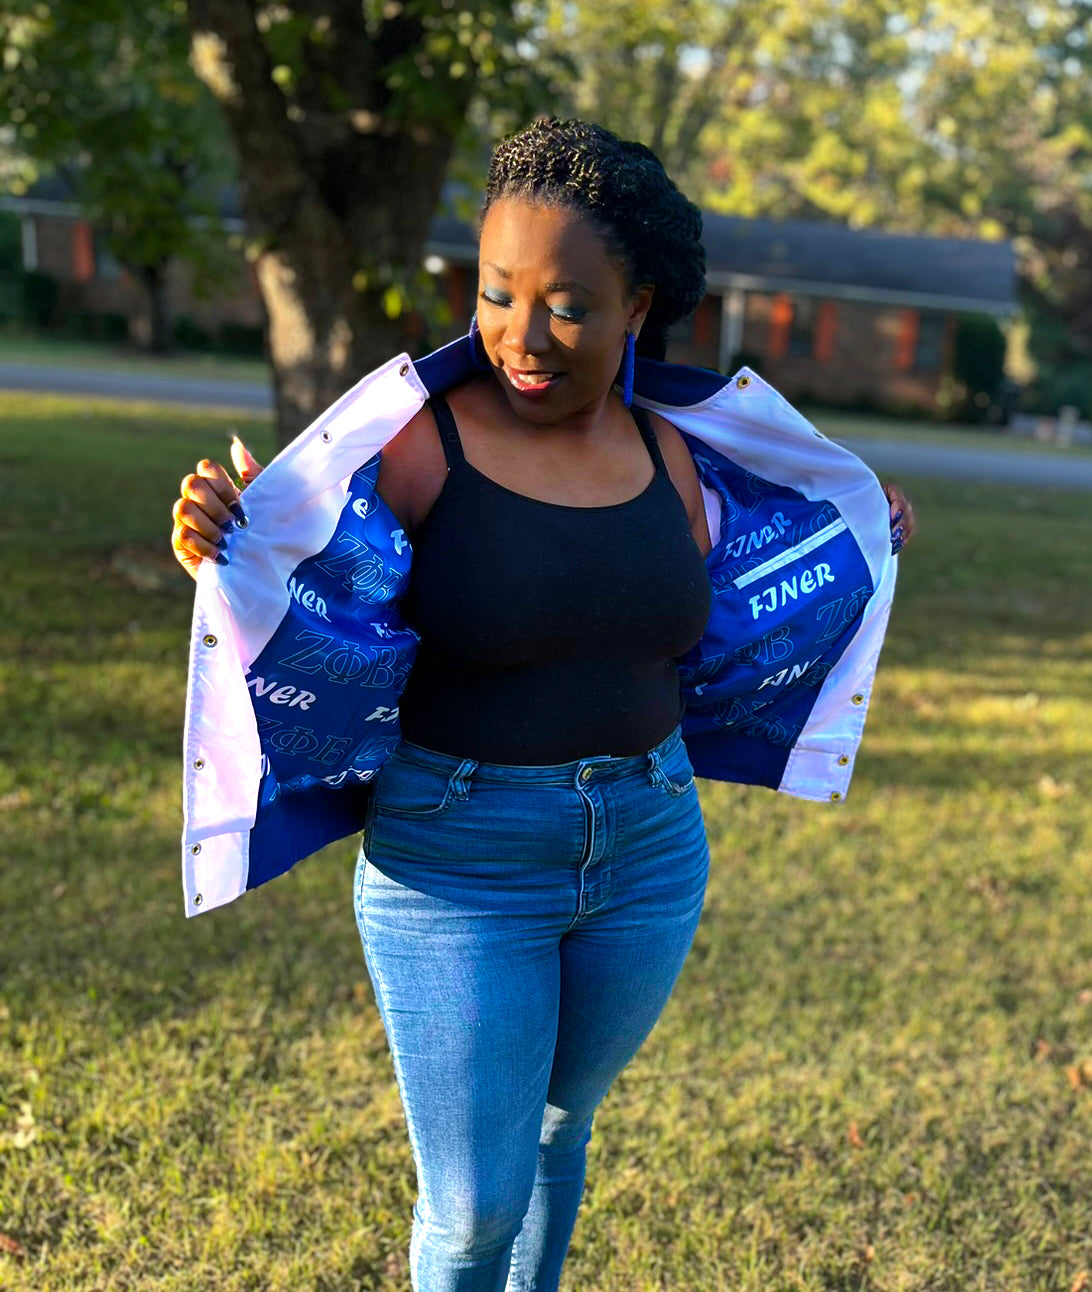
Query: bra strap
[
  {"x": 449, "y": 432},
  {"x": 644, "y": 425}
]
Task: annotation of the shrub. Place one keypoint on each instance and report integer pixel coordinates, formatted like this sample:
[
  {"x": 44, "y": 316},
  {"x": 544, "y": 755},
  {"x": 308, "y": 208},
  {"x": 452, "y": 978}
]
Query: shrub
[
  {"x": 190, "y": 335},
  {"x": 113, "y": 327},
  {"x": 89, "y": 326},
  {"x": 40, "y": 294},
  {"x": 1057, "y": 385},
  {"x": 237, "y": 338},
  {"x": 978, "y": 362}
]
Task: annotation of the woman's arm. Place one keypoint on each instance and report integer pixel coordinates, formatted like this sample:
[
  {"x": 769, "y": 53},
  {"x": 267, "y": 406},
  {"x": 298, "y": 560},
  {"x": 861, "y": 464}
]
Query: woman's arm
[{"x": 412, "y": 471}]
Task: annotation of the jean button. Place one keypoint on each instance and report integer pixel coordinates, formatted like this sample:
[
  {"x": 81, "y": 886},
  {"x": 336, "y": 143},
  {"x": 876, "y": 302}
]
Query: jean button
[{"x": 586, "y": 774}]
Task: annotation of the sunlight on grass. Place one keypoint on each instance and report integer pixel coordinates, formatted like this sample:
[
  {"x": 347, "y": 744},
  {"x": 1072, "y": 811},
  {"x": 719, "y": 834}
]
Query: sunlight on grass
[{"x": 876, "y": 1071}]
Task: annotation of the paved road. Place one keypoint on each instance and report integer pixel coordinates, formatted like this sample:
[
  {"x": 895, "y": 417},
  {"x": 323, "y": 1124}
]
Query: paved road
[
  {"x": 200, "y": 391},
  {"x": 1036, "y": 470},
  {"x": 998, "y": 465}
]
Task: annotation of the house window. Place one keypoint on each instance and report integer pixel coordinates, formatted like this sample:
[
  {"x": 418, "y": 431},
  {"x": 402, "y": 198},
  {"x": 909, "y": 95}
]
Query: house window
[
  {"x": 802, "y": 328},
  {"x": 928, "y": 351}
]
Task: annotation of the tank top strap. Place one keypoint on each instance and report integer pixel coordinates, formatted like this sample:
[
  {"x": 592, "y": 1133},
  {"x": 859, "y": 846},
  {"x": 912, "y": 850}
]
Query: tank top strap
[
  {"x": 449, "y": 432},
  {"x": 644, "y": 425}
]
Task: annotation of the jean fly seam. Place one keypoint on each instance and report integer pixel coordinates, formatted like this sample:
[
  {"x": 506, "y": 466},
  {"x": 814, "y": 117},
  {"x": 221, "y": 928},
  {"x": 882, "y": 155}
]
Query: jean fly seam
[{"x": 588, "y": 853}]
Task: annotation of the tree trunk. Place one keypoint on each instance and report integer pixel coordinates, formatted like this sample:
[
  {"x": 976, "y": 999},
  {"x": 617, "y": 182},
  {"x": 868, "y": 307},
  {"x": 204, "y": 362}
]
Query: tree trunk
[
  {"x": 338, "y": 191},
  {"x": 325, "y": 332},
  {"x": 154, "y": 281}
]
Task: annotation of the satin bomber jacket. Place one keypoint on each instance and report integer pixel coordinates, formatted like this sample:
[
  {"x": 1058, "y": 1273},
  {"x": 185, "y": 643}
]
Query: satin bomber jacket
[{"x": 299, "y": 651}]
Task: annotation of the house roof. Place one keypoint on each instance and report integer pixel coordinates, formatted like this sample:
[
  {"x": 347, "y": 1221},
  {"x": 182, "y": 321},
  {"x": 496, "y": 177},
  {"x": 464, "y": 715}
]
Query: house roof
[
  {"x": 803, "y": 257},
  {"x": 808, "y": 257}
]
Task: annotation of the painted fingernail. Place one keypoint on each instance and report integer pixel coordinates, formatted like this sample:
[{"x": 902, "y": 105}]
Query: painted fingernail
[
  {"x": 228, "y": 527},
  {"x": 222, "y": 544},
  {"x": 896, "y": 518},
  {"x": 897, "y": 534},
  {"x": 237, "y": 511},
  {"x": 221, "y": 558},
  {"x": 897, "y": 547}
]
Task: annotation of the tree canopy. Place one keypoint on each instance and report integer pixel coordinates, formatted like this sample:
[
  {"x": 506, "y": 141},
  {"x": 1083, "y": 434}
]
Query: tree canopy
[
  {"x": 952, "y": 117},
  {"x": 101, "y": 92},
  {"x": 344, "y": 117}
]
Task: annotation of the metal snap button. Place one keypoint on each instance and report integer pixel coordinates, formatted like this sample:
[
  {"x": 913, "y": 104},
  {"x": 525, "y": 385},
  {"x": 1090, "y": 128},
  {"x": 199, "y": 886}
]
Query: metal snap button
[
  {"x": 197, "y": 899},
  {"x": 836, "y": 797},
  {"x": 195, "y": 849},
  {"x": 326, "y": 437},
  {"x": 743, "y": 383},
  {"x": 209, "y": 639},
  {"x": 403, "y": 370},
  {"x": 242, "y": 524},
  {"x": 198, "y": 764},
  {"x": 858, "y": 699},
  {"x": 843, "y": 761},
  {"x": 586, "y": 774}
]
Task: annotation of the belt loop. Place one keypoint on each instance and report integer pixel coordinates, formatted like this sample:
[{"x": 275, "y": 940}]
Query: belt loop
[
  {"x": 460, "y": 780},
  {"x": 655, "y": 775}
]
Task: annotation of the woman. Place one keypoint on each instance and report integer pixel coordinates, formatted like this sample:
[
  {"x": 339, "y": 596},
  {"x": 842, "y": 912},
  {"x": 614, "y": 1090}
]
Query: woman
[{"x": 534, "y": 859}]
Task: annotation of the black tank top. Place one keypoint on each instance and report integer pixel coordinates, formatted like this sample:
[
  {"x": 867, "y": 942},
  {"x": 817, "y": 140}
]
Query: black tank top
[{"x": 549, "y": 632}]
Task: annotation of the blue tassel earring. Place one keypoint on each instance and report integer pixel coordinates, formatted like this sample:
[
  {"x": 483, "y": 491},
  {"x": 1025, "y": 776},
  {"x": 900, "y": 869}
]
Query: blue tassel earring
[
  {"x": 628, "y": 364},
  {"x": 477, "y": 350}
]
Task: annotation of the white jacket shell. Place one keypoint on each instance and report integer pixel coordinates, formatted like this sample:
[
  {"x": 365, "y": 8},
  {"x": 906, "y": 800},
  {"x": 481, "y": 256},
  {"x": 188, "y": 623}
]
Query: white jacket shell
[{"x": 299, "y": 651}]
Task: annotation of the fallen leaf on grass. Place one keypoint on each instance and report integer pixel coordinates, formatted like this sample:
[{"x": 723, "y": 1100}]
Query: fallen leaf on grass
[
  {"x": 1080, "y": 1074},
  {"x": 26, "y": 1131},
  {"x": 1043, "y": 1048},
  {"x": 854, "y": 1136},
  {"x": 1080, "y": 1283},
  {"x": 10, "y": 1246},
  {"x": 1049, "y": 788}
]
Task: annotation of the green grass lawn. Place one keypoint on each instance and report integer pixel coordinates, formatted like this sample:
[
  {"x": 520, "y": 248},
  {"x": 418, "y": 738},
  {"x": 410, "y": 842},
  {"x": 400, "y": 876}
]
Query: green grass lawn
[{"x": 875, "y": 1073}]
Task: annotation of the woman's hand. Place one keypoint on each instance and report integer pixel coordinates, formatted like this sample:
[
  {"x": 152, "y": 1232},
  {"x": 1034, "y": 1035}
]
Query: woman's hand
[
  {"x": 902, "y": 517},
  {"x": 208, "y": 509}
]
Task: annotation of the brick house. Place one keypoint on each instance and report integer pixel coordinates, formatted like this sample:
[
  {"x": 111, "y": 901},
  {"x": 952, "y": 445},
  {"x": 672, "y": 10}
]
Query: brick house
[
  {"x": 836, "y": 314},
  {"x": 840, "y": 315},
  {"x": 58, "y": 241}
]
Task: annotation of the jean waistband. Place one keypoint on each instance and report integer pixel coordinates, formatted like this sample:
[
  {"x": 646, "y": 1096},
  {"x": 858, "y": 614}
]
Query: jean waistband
[{"x": 601, "y": 767}]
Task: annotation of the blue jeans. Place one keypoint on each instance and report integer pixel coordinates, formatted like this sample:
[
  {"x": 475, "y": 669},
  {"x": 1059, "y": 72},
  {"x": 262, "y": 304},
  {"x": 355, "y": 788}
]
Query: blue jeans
[{"x": 523, "y": 928}]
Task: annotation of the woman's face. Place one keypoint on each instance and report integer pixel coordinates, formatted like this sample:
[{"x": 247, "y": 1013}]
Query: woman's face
[{"x": 553, "y": 309}]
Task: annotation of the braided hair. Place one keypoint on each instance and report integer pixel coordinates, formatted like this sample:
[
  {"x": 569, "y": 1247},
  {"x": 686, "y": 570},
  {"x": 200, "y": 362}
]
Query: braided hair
[{"x": 649, "y": 228}]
